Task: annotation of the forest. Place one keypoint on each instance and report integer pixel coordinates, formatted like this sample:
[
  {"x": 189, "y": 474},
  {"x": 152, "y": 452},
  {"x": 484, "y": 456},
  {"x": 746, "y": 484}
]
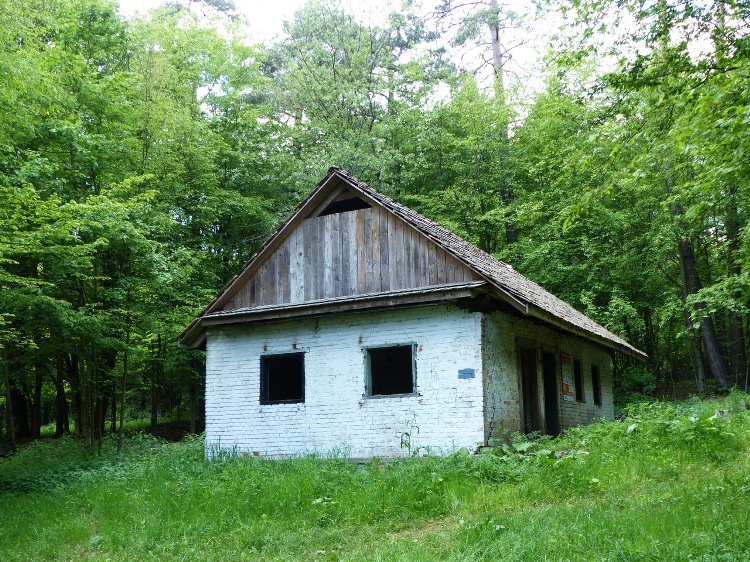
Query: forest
[{"x": 144, "y": 159}]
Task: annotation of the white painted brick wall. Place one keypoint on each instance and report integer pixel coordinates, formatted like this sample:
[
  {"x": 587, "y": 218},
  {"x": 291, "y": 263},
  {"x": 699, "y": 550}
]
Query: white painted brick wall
[{"x": 446, "y": 415}]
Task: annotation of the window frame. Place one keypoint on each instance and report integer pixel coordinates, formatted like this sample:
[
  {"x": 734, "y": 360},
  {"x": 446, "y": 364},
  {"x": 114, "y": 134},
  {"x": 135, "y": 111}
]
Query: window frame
[
  {"x": 264, "y": 377},
  {"x": 368, "y": 370}
]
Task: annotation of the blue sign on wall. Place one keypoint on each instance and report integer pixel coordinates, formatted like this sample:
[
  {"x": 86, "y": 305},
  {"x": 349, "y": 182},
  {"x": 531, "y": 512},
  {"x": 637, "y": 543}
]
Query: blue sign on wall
[{"x": 466, "y": 373}]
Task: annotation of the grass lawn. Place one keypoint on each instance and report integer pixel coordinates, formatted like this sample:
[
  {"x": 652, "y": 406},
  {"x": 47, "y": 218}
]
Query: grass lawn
[{"x": 670, "y": 482}]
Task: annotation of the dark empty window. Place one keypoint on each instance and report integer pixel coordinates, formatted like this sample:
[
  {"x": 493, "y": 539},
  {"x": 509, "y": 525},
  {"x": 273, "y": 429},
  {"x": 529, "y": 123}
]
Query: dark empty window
[
  {"x": 578, "y": 380},
  {"x": 282, "y": 378},
  {"x": 596, "y": 385},
  {"x": 390, "y": 370}
]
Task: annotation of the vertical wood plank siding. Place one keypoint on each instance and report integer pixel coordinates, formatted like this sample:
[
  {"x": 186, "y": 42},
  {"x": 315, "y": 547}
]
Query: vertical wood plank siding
[
  {"x": 385, "y": 280},
  {"x": 351, "y": 253}
]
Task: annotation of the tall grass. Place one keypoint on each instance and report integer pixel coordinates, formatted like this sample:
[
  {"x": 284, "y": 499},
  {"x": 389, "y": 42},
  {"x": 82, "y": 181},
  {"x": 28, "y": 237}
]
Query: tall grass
[{"x": 669, "y": 482}]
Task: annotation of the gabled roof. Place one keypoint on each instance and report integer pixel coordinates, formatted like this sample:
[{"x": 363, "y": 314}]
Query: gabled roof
[{"x": 504, "y": 281}]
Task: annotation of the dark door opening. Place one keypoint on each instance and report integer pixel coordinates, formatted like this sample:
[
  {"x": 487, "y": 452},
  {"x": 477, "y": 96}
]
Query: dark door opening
[
  {"x": 529, "y": 390},
  {"x": 551, "y": 410}
]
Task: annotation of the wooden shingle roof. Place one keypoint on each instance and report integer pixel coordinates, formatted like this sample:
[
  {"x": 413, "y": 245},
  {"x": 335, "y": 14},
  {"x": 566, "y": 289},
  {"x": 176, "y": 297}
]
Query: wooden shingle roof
[{"x": 505, "y": 282}]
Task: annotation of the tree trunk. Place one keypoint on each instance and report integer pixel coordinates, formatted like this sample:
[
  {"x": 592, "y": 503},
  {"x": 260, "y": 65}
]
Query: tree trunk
[
  {"x": 113, "y": 419},
  {"x": 715, "y": 360},
  {"x": 96, "y": 404},
  {"x": 691, "y": 285},
  {"x": 695, "y": 354},
  {"x": 81, "y": 384},
  {"x": 74, "y": 378},
  {"x": 498, "y": 65},
  {"x": 102, "y": 404},
  {"x": 21, "y": 418},
  {"x": 36, "y": 403},
  {"x": 124, "y": 383},
  {"x": 153, "y": 388},
  {"x": 11, "y": 426},
  {"x": 90, "y": 439},
  {"x": 737, "y": 352},
  {"x": 498, "y": 62},
  {"x": 62, "y": 424},
  {"x": 154, "y": 384}
]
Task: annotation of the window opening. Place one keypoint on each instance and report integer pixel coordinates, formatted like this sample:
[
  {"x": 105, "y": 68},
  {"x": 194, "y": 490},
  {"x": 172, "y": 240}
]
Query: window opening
[
  {"x": 596, "y": 384},
  {"x": 344, "y": 205},
  {"x": 390, "y": 370},
  {"x": 282, "y": 378},
  {"x": 578, "y": 380}
]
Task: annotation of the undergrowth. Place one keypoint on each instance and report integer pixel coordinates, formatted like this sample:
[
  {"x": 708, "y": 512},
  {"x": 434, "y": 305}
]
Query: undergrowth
[{"x": 668, "y": 482}]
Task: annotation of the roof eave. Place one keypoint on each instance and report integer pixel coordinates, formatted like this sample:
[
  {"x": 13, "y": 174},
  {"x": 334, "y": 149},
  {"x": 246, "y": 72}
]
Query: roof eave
[
  {"x": 195, "y": 335},
  {"x": 614, "y": 343}
]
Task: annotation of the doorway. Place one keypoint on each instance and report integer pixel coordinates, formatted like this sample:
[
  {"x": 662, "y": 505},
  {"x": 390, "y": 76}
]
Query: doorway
[
  {"x": 551, "y": 408},
  {"x": 529, "y": 390}
]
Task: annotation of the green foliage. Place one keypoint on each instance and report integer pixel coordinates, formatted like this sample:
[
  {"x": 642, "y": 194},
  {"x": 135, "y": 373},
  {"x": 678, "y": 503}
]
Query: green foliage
[
  {"x": 656, "y": 141},
  {"x": 341, "y": 86},
  {"x": 125, "y": 204},
  {"x": 143, "y": 161},
  {"x": 644, "y": 487},
  {"x": 46, "y": 465},
  {"x": 636, "y": 384},
  {"x": 453, "y": 168}
]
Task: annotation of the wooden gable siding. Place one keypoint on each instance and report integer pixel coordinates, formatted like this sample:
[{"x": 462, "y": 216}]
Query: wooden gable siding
[{"x": 346, "y": 254}]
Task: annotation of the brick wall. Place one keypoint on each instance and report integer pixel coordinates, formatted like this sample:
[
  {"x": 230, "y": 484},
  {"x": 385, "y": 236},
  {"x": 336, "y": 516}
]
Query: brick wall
[
  {"x": 500, "y": 366},
  {"x": 445, "y": 414},
  {"x": 500, "y": 334}
]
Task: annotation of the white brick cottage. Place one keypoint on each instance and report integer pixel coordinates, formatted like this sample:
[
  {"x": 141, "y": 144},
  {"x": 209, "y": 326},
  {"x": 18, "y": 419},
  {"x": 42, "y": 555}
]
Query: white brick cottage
[{"x": 361, "y": 327}]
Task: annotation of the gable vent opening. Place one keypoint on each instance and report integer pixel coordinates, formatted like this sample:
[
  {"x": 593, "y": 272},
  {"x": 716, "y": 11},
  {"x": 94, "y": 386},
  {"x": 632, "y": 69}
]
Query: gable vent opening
[{"x": 344, "y": 205}]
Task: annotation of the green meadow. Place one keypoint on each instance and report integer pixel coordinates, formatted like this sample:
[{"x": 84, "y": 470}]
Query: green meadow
[{"x": 670, "y": 481}]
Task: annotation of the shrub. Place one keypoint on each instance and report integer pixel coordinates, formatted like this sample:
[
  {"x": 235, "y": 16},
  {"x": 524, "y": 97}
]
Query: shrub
[{"x": 635, "y": 385}]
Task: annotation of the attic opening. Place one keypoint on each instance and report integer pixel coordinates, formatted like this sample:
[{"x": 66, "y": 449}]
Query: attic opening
[
  {"x": 390, "y": 370},
  {"x": 344, "y": 205},
  {"x": 282, "y": 378}
]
